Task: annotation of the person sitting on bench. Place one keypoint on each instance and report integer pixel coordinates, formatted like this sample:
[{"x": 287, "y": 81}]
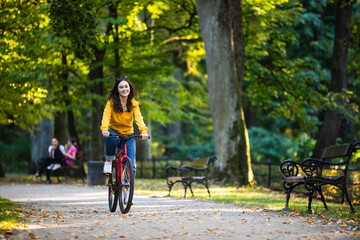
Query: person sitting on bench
[
  {"x": 71, "y": 150},
  {"x": 56, "y": 155}
]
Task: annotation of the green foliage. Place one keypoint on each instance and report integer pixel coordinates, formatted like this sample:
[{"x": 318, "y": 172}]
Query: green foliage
[
  {"x": 290, "y": 86},
  {"x": 23, "y": 91},
  {"x": 289, "y": 52},
  {"x": 192, "y": 143},
  {"x": 276, "y": 147},
  {"x": 14, "y": 150},
  {"x": 195, "y": 137},
  {"x": 75, "y": 20}
]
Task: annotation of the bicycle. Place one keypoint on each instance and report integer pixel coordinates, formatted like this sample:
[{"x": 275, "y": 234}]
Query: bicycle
[{"x": 121, "y": 181}]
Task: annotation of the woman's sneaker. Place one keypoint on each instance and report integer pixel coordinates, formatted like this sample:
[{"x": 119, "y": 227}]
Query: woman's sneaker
[{"x": 107, "y": 168}]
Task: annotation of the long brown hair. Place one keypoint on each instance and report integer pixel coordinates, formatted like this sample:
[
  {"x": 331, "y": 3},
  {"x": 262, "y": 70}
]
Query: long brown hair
[{"x": 114, "y": 95}]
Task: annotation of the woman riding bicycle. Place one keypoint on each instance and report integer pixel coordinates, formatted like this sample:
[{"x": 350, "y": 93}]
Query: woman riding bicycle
[{"x": 119, "y": 113}]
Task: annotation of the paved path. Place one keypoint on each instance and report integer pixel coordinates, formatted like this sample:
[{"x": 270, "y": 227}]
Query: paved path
[{"x": 60, "y": 211}]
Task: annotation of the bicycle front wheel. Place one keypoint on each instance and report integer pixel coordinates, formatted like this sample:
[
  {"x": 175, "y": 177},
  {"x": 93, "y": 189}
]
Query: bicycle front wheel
[
  {"x": 113, "y": 185},
  {"x": 126, "y": 186}
]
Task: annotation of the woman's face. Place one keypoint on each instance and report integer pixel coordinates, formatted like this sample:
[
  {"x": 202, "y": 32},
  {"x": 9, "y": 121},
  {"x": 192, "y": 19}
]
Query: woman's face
[
  {"x": 54, "y": 142},
  {"x": 69, "y": 142},
  {"x": 124, "y": 89}
]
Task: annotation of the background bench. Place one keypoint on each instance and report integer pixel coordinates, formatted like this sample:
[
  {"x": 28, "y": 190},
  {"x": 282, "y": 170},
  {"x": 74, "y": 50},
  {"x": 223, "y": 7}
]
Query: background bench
[
  {"x": 198, "y": 172},
  {"x": 309, "y": 173},
  {"x": 76, "y": 168}
]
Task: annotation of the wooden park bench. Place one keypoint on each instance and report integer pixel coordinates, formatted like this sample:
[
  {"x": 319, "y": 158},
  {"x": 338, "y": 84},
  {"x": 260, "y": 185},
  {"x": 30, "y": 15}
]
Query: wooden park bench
[
  {"x": 76, "y": 167},
  {"x": 187, "y": 175},
  {"x": 310, "y": 174}
]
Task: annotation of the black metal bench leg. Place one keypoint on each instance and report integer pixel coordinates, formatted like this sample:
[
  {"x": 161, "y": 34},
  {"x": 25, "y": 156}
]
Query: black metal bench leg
[
  {"x": 344, "y": 189},
  {"x": 322, "y": 198},
  {"x": 170, "y": 187},
  {"x": 287, "y": 200},
  {"x": 191, "y": 189},
  {"x": 288, "y": 189},
  {"x": 311, "y": 194},
  {"x": 185, "y": 188},
  {"x": 207, "y": 187}
]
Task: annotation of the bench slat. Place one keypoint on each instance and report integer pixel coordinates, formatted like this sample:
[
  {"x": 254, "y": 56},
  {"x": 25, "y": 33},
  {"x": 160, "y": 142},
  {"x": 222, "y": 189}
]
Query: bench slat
[
  {"x": 336, "y": 151},
  {"x": 175, "y": 179},
  {"x": 294, "y": 179},
  {"x": 197, "y": 178},
  {"x": 200, "y": 162}
]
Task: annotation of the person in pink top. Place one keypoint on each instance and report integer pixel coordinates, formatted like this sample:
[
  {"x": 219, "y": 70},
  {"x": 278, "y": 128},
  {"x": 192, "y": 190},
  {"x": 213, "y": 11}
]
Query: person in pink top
[{"x": 71, "y": 150}]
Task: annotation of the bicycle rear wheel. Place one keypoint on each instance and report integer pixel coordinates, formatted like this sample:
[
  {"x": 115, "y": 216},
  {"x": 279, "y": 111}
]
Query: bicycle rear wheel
[
  {"x": 113, "y": 185},
  {"x": 127, "y": 186}
]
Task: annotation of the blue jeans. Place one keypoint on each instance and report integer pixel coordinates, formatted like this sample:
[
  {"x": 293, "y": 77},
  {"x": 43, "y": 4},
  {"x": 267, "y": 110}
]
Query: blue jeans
[{"x": 112, "y": 143}]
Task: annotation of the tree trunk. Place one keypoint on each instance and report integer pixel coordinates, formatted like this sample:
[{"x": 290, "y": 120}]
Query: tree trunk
[
  {"x": 224, "y": 82},
  {"x": 70, "y": 114},
  {"x": 60, "y": 127},
  {"x": 113, "y": 14},
  {"x": 143, "y": 148},
  {"x": 71, "y": 126},
  {"x": 96, "y": 74},
  {"x": 251, "y": 115},
  {"x": 236, "y": 19},
  {"x": 330, "y": 128},
  {"x": 173, "y": 130},
  {"x": 40, "y": 141},
  {"x": 61, "y": 124}
]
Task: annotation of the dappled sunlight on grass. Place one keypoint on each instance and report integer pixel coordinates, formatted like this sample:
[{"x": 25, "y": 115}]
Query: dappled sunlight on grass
[
  {"x": 256, "y": 197},
  {"x": 9, "y": 216}
]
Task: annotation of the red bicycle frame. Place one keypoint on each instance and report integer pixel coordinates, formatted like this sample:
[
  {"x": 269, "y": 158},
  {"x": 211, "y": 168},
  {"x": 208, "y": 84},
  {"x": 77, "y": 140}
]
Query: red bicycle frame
[{"x": 122, "y": 153}]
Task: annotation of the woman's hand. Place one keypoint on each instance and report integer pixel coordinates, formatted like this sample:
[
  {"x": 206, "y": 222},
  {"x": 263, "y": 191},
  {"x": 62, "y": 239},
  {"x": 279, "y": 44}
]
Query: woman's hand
[
  {"x": 105, "y": 133},
  {"x": 144, "y": 136}
]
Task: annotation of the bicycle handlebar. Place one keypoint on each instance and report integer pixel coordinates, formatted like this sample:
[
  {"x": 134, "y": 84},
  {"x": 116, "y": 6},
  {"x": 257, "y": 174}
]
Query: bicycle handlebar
[{"x": 125, "y": 137}]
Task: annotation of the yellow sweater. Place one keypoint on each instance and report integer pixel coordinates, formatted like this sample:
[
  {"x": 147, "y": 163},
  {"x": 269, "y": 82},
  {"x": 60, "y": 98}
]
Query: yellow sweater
[{"x": 122, "y": 122}]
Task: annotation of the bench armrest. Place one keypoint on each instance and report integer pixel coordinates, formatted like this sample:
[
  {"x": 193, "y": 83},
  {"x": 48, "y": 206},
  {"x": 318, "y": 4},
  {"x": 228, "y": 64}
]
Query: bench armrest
[
  {"x": 175, "y": 172},
  {"x": 193, "y": 171},
  {"x": 313, "y": 166},
  {"x": 193, "y": 168},
  {"x": 290, "y": 168},
  {"x": 310, "y": 168},
  {"x": 322, "y": 162}
]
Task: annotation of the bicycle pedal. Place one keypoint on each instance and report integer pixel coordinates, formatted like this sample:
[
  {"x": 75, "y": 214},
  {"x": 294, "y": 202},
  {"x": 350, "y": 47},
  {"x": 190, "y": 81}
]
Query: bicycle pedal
[{"x": 107, "y": 174}]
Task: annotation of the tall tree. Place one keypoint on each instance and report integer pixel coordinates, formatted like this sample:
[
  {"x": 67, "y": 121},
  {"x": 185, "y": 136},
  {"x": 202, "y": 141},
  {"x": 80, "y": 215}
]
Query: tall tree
[
  {"x": 96, "y": 75},
  {"x": 244, "y": 159},
  {"x": 224, "y": 81},
  {"x": 329, "y": 130}
]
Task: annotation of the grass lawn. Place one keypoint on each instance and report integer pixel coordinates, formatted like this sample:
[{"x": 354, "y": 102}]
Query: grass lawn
[
  {"x": 257, "y": 197},
  {"x": 10, "y": 217}
]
